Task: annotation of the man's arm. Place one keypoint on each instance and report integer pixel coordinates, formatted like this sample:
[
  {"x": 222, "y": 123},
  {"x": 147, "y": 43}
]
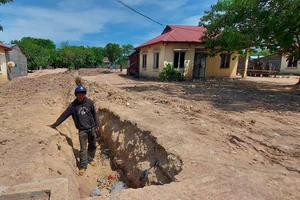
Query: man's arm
[{"x": 63, "y": 117}]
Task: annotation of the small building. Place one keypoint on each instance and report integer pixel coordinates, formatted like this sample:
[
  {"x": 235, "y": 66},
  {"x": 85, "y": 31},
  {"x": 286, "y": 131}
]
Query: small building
[
  {"x": 182, "y": 47},
  {"x": 3, "y": 62},
  {"x": 275, "y": 62},
  {"x": 270, "y": 62},
  {"x": 106, "y": 62},
  {"x": 133, "y": 64},
  {"x": 17, "y": 56}
]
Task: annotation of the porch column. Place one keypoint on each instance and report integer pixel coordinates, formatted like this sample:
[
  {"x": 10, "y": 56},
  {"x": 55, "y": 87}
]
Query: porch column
[{"x": 247, "y": 53}]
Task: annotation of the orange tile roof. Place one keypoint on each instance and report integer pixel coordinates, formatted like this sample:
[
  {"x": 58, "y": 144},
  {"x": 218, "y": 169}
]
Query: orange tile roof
[{"x": 105, "y": 59}]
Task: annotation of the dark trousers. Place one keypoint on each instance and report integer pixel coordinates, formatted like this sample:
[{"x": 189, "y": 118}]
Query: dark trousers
[{"x": 87, "y": 152}]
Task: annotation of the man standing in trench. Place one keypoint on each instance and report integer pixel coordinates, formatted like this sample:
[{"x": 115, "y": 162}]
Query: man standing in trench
[{"x": 85, "y": 118}]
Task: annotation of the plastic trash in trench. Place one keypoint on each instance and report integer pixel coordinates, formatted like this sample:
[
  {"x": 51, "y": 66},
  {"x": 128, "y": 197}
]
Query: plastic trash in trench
[
  {"x": 147, "y": 171},
  {"x": 156, "y": 163},
  {"x": 95, "y": 192},
  {"x": 105, "y": 156},
  {"x": 117, "y": 187}
]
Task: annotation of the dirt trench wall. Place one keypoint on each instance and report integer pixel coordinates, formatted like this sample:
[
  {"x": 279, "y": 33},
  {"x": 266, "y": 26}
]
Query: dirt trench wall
[{"x": 133, "y": 151}]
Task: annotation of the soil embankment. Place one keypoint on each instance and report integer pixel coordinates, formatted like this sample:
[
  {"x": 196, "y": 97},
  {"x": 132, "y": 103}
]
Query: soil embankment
[{"x": 215, "y": 139}]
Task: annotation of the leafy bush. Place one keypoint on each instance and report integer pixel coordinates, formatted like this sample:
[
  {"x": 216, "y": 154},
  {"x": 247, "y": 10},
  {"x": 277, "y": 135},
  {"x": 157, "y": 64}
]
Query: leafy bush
[{"x": 170, "y": 74}]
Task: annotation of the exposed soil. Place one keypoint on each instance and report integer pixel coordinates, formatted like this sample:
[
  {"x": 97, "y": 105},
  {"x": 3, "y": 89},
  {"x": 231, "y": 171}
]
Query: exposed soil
[{"x": 215, "y": 139}]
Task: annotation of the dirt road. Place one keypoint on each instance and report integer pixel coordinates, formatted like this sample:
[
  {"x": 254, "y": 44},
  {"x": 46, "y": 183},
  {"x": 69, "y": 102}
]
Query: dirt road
[{"x": 216, "y": 139}]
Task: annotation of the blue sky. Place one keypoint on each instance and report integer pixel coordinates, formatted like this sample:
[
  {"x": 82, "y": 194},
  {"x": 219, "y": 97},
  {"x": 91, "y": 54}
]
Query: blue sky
[{"x": 96, "y": 22}]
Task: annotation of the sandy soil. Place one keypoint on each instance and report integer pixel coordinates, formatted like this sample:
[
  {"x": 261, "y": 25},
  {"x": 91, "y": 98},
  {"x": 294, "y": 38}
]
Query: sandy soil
[{"x": 238, "y": 139}]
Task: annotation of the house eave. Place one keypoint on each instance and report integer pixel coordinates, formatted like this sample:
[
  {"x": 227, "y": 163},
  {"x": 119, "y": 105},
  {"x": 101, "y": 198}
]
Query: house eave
[{"x": 170, "y": 42}]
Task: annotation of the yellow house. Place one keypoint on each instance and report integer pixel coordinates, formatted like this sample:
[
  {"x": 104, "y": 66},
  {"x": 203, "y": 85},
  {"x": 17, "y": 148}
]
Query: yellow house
[
  {"x": 3, "y": 62},
  {"x": 290, "y": 66},
  {"x": 181, "y": 46}
]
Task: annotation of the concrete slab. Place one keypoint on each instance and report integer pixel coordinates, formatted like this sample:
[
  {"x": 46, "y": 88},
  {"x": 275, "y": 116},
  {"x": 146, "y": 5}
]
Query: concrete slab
[{"x": 53, "y": 189}]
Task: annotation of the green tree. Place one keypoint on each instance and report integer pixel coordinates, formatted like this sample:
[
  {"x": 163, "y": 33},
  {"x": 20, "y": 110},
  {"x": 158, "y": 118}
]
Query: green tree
[
  {"x": 97, "y": 53},
  {"x": 39, "y": 51},
  {"x": 113, "y": 51},
  {"x": 242, "y": 24},
  {"x": 259, "y": 52},
  {"x": 75, "y": 57},
  {"x": 4, "y": 2},
  {"x": 127, "y": 49},
  {"x": 230, "y": 27}
]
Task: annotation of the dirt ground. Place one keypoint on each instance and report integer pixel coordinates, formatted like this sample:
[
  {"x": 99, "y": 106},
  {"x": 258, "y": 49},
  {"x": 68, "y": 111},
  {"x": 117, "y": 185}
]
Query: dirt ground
[{"x": 237, "y": 138}]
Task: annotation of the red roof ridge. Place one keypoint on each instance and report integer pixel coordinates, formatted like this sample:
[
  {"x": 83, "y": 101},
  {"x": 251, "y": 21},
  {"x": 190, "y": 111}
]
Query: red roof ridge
[
  {"x": 5, "y": 47},
  {"x": 177, "y": 33}
]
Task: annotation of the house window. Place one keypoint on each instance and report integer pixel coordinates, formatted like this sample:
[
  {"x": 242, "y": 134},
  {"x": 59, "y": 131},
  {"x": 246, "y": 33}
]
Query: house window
[
  {"x": 144, "y": 64},
  {"x": 179, "y": 58},
  {"x": 225, "y": 60},
  {"x": 293, "y": 62},
  {"x": 155, "y": 60}
]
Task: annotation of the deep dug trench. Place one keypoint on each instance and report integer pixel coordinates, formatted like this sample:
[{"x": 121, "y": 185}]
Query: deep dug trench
[
  {"x": 132, "y": 155},
  {"x": 135, "y": 152}
]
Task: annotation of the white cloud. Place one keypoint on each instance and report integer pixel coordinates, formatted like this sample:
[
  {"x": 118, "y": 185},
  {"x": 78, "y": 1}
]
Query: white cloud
[
  {"x": 76, "y": 4},
  {"x": 147, "y": 37},
  {"x": 84, "y": 21},
  {"x": 194, "y": 20},
  {"x": 55, "y": 24},
  {"x": 169, "y": 5},
  {"x": 134, "y": 2},
  {"x": 165, "y": 5}
]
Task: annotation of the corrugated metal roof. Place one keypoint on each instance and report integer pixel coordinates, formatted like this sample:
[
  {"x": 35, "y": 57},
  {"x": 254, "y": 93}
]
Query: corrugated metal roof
[
  {"x": 4, "y": 47},
  {"x": 177, "y": 33}
]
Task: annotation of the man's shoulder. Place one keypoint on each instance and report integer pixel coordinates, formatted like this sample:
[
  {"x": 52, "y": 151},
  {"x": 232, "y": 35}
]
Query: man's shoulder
[
  {"x": 89, "y": 101},
  {"x": 74, "y": 103}
]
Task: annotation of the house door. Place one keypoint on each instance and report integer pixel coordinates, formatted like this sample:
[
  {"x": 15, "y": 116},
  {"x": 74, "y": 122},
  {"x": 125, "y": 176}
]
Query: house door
[{"x": 199, "y": 65}]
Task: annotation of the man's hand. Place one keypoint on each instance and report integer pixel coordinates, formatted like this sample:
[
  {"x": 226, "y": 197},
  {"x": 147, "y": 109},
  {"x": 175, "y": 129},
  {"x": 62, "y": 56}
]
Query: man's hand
[{"x": 51, "y": 126}]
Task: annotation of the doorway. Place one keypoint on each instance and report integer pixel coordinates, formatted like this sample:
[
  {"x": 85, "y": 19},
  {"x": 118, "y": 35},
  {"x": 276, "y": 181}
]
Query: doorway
[{"x": 199, "y": 65}]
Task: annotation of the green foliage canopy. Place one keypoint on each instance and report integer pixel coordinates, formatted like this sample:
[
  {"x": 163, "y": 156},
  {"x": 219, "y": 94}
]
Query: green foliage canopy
[
  {"x": 127, "y": 49},
  {"x": 113, "y": 51},
  {"x": 265, "y": 24},
  {"x": 38, "y": 51},
  {"x": 75, "y": 57},
  {"x": 43, "y": 53}
]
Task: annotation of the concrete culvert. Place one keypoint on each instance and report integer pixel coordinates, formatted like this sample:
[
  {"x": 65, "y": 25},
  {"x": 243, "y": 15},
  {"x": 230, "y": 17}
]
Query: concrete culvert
[{"x": 135, "y": 153}]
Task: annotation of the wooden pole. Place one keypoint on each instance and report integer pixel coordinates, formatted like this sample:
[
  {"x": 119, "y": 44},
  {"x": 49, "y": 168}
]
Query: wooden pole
[{"x": 247, "y": 53}]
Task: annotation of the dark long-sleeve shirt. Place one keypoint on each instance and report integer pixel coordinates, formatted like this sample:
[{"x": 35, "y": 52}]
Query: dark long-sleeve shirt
[{"x": 83, "y": 114}]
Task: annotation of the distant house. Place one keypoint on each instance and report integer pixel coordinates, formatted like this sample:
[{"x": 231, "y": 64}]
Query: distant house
[
  {"x": 270, "y": 62},
  {"x": 17, "y": 56},
  {"x": 106, "y": 62},
  {"x": 3, "y": 62},
  {"x": 181, "y": 46},
  {"x": 277, "y": 62}
]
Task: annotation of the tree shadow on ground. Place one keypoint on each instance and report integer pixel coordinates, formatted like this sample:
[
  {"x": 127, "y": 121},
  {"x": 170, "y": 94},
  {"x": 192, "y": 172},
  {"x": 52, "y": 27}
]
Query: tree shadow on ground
[{"x": 229, "y": 94}]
